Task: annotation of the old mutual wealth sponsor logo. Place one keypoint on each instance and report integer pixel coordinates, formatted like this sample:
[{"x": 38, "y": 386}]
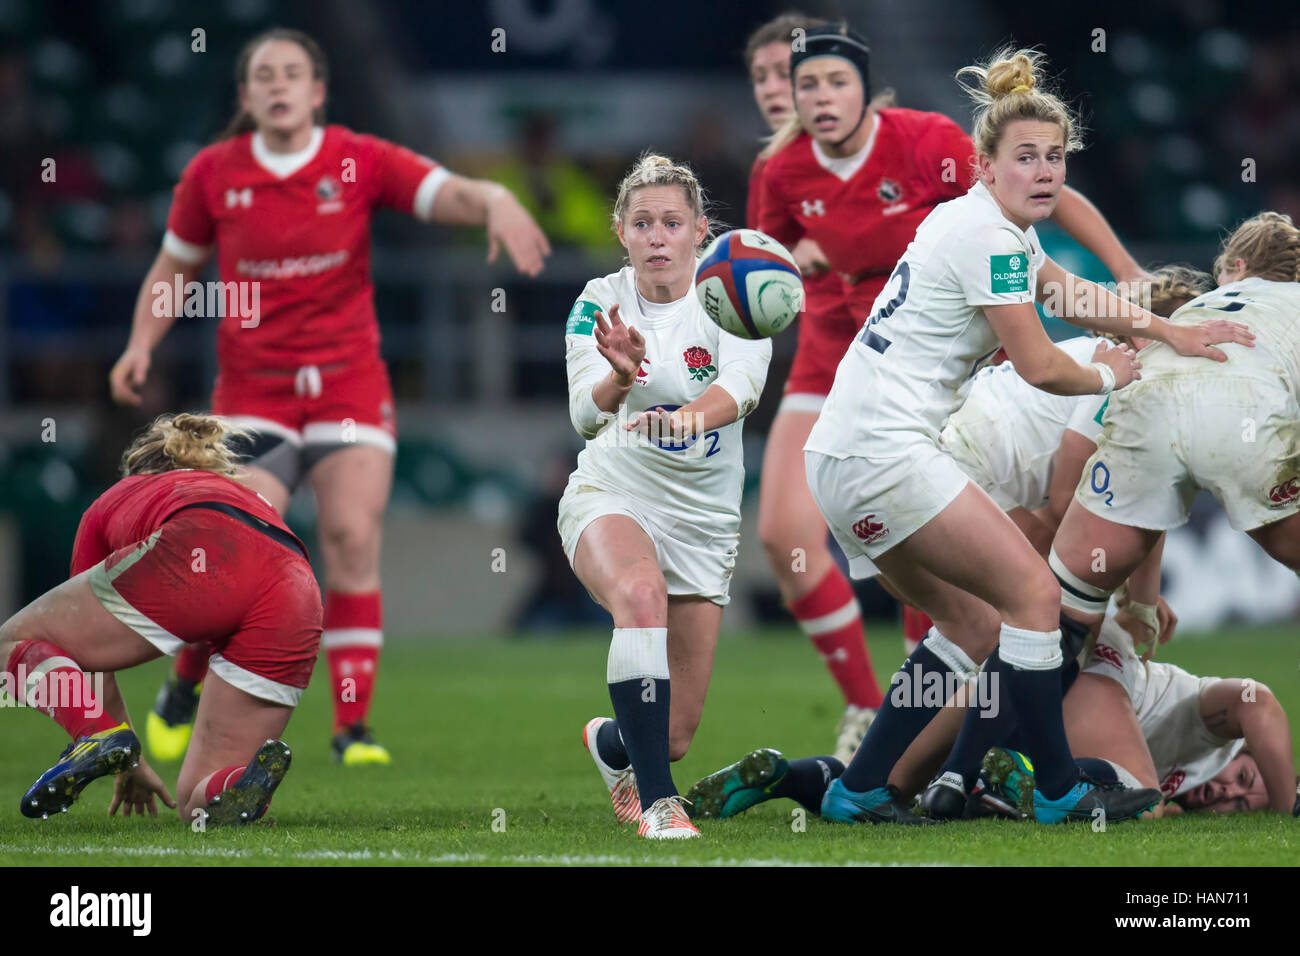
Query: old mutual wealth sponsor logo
[{"x": 1009, "y": 273}]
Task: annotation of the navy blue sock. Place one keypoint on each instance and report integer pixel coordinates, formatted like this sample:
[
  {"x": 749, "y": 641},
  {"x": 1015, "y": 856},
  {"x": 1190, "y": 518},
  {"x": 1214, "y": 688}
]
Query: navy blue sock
[
  {"x": 979, "y": 731},
  {"x": 1103, "y": 771},
  {"x": 1037, "y": 696},
  {"x": 609, "y": 747},
  {"x": 904, "y": 714},
  {"x": 806, "y": 781},
  {"x": 639, "y": 688}
]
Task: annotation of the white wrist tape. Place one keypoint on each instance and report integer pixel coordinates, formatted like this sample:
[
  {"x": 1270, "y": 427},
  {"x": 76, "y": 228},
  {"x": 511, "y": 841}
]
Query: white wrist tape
[
  {"x": 1107, "y": 378},
  {"x": 1147, "y": 614}
]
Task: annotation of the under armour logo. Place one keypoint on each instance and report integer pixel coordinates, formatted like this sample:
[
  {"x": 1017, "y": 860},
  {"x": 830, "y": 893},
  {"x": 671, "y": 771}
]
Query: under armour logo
[
  {"x": 814, "y": 207},
  {"x": 839, "y": 654},
  {"x": 239, "y": 197}
]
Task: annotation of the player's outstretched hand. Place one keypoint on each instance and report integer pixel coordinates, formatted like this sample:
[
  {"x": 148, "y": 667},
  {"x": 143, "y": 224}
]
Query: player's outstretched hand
[
  {"x": 136, "y": 789},
  {"x": 1200, "y": 339},
  {"x": 622, "y": 345},
  {"x": 810, "y": 259},
  {"x": 128, "y": 375},
  {"x": 1122, "y": 360},
  {"x": 510, "y": 225},
  {"x": 657, "y": 424}
]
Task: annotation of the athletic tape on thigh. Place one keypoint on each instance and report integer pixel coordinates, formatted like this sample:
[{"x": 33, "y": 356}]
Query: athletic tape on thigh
[
  {"x": 637, "y": 652},
  {"x": 1076, "y": 594},
  {"x": 958, "y": 661},
  {"x": 1029, "y": 650}
]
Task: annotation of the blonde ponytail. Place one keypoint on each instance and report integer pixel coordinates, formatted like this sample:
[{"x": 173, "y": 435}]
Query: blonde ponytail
[{"x": 185, "y": 441}]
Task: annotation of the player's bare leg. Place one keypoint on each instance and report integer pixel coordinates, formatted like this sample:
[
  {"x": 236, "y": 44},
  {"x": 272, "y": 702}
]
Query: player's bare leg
[
  {"x": 693, "y": 624},
  {"x": 170, "y": 721},
  {"x": 50, "y": 649},
  {"x": 617, "y": 563},
  {"x": 1281, "y": 539},
  {"x": 793, "y": 533},
  {"x": 1100, "y": 722},
  {"x": 954, "y": 586},
  {"x": 352, "y": 487},
  {"x": 1097, "y": 556},
  {"x": 231, "y": 726}
]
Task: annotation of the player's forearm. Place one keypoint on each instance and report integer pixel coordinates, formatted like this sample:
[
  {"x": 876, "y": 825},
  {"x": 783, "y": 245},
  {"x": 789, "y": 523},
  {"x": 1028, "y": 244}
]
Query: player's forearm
[
  {"x": 1087, "y": 226},
  {"x": 466, "y": 202},
  {"x": 1268, "y": 737},
  {"x": 1059, "y": 374},
  {"x": 714, "y": 409},
  {"x": 161, "y": 292},
  {"x": 1144, "y": 582},
  {"x": 611, "y": 392},
  {"x": 1089, "y": 306}
]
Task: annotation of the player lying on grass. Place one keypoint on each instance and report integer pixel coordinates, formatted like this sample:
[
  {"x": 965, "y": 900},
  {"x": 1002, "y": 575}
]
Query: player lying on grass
[
  {"x": 1232, "y": 429},
  {"x": 893, "y": 495},
  {"x": 177, "y": 552},
  {"x": 1206, "y": 743},
  {"x": 650, "y": 519}
]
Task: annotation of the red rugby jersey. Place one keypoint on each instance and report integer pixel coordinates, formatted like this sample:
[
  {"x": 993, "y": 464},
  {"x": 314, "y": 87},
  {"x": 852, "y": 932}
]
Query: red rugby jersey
[
  {"x": 863, "y": 223},
  {"x": 136, "y": 507},
  {"x": 302, "y": 235},
  {"x": 822, "y": 292}
]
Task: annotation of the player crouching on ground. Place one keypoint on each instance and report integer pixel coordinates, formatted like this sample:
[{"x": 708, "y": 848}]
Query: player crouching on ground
[
  {"x": 177, "y": 552},
  {"x": 650, "y": 519}
]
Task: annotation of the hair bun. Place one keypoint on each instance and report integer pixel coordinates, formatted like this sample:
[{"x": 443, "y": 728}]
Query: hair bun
[{"x": 1016, "y": 74}]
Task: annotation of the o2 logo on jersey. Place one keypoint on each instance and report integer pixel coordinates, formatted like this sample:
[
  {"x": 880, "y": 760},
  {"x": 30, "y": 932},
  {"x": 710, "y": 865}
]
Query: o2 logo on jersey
[
  {"x": 667, "y": 443},
  {"x": 1284, "y": 493},
  {"x": 1100, "y": 482}
]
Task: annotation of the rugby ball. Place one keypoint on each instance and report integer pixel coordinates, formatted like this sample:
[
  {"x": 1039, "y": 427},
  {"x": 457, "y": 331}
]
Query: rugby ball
[{"x": 748, "y": 284}]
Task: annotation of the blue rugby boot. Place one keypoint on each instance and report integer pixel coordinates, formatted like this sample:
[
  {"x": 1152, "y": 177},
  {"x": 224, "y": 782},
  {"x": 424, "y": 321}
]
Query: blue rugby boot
[
  {"x": 85, "y": 759},
  {"x": 248, "y": 798},
  {"x": 1009, "y": 776},
  {"x": 881, "y": 805}
]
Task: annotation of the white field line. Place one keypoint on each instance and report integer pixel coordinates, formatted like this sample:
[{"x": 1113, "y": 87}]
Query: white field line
[{"x": 396, "y": 856}]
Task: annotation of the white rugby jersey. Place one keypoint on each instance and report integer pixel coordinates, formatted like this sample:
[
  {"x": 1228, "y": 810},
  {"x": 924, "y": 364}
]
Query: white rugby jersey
[
  {"x": 1167, "y": 702},
  {"x": 911, "y": 365},
  {"x": 685, "y": 354},
  {"x": 1270, "y": 309},
  {"x": 1011, "y": 432}
]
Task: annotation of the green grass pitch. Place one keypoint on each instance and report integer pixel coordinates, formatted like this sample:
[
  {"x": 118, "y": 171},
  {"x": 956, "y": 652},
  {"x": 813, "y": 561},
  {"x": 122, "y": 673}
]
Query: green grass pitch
[{"x": 488, "y": 732}]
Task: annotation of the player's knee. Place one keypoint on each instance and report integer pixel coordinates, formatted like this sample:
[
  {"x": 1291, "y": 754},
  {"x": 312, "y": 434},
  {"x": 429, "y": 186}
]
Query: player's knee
[
  {"x": 353, "y": 543},
  {"x": 641, "y": 598},
  {"x": 1037, "y": 596}
]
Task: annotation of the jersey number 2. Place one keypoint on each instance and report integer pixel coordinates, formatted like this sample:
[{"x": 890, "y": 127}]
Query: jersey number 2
[{"x": 903, "y": 273}]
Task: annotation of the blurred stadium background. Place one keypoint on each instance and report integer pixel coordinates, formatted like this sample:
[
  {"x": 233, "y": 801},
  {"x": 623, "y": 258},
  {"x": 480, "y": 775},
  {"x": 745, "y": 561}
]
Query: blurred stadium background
[{"x": 115, "y": 93}]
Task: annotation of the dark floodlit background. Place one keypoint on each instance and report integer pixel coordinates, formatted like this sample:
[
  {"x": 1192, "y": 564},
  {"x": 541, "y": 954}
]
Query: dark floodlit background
[{"x": 1193, "y": 122}]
